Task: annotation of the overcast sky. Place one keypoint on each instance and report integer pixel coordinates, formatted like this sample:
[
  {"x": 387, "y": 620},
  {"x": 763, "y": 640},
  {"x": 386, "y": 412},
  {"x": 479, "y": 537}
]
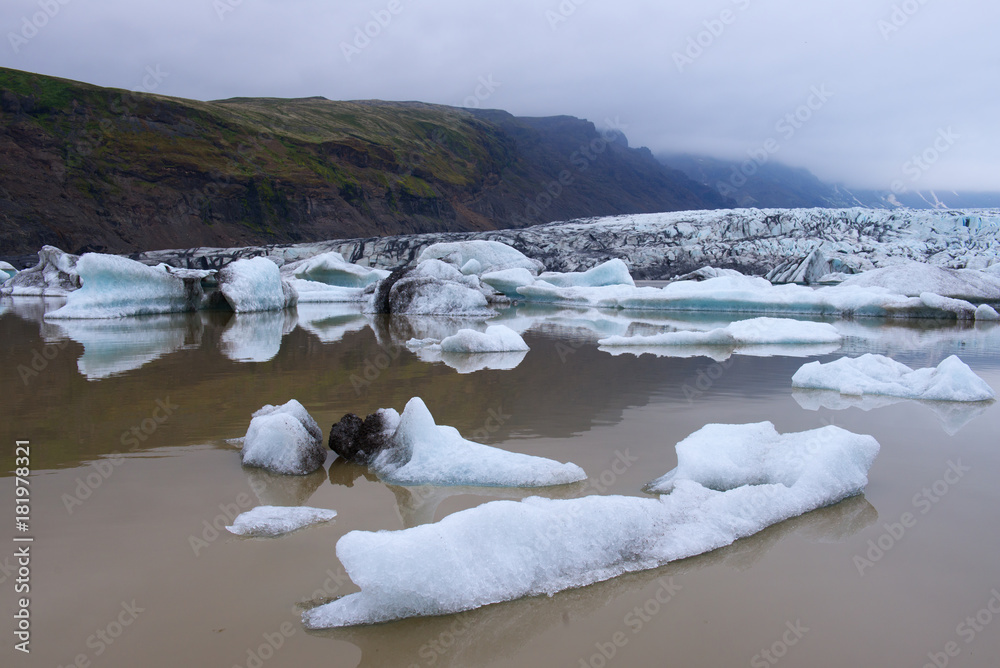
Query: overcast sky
[{"x": 873, "y": 83}]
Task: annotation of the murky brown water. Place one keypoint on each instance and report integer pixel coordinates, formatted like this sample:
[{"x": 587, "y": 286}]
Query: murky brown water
[{"x": 125, "y": 539}]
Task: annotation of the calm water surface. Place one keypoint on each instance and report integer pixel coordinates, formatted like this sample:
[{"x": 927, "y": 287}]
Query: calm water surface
[{"x": 123, "y": 505}]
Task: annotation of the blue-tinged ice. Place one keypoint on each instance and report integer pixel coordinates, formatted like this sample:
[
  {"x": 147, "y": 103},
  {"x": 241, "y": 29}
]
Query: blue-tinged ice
[{"x": 284, "y": 439}]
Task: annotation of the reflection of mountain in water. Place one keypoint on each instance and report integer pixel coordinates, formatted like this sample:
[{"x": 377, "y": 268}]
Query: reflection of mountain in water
[{"x": 482, "y": 636}]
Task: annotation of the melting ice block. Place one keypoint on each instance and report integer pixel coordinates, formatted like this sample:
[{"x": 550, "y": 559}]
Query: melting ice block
[
  {"x": 496, "y": 339},
  {"x": 489, "y": 255},
  {"x": 284, "y": 439},
  {"x": 332, "y": 269},
  {"x": 612, "y": 272},
  {"x": 731, "y": 481},
  {"x": 420, "y": 452},
  {"x": 255, "y": 285},
  {"x": 952, "y": 380},
  {"x": 271, "y": 521},
  {"x": 116, "y": 287},
  {"x": 758, "y": 331},
  {"x": 743, "y": 294}
]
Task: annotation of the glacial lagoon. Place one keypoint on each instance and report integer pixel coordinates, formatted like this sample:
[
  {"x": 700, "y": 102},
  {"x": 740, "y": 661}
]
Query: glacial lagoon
[{"x": 131, "y": 424}]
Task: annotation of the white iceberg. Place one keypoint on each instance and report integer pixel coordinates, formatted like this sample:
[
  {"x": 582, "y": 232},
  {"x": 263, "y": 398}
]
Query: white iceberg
[
  {"x": 54, "y": 275},
  {"x": 731, "y": 482},
  {"x": 272, "y": 521},
  {"x": 424, "y": 453},
  {"x": 496, "y": 339},
  {"x": 952, "y": 380},
  {"x": 734, "y": 294},
  {"x": 757, "y": 331},
  {"x": 507, "y": 281},
  {"x": 490, "y": 255},
  {"x": 255, "y": 284},
  {"x": 332, "y": 269},
  {"x": 986, "y": 313},
  {"x": 612, "y": 272},
  {"x": 431, "y": 288},
  {"x": 314, "y": 292},
  {"x": 914, "y": 278},
  {"x": 284, "y": 439},
  {"x": 116, "y": 287}
]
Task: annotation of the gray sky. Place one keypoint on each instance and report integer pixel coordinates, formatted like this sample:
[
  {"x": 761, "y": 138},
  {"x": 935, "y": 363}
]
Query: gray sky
[{"x": 887, "y": 80}]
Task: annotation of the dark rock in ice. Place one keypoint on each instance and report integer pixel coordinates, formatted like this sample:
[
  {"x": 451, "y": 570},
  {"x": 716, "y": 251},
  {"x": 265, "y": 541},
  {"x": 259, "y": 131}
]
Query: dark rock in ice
[
  {"x": 384, "y": 290},
  {"x": 360, "y": 441}
]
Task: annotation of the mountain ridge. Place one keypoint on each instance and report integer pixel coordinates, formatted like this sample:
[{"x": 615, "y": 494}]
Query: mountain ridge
[{"x": 87, "y": 168}]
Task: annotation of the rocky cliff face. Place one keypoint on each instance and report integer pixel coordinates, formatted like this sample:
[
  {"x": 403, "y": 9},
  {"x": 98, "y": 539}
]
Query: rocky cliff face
[{"x": 89, "y": 168}]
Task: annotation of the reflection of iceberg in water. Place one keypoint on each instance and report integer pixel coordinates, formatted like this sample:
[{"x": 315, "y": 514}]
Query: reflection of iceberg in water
[
  {"x": 116, "y": 346},
  {"x": 954, "y": 415},
  {"x": 487, "y": 635},
  {"x": 331, "y": 322},
  {"x": 272, "y": 489},
  {"x": 470, "y": 362},
  {"x": 256, "y": 337}
]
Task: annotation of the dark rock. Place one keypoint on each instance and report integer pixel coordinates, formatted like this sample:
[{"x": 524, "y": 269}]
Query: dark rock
[
  {"x": 382, "y": 301},
  {"x": 359, "y": 441}
]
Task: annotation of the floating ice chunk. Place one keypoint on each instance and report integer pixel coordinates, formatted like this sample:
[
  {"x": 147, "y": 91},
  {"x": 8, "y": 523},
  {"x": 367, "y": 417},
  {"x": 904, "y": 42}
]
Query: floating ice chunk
[
  {"x": 913, "y": 278},
  {"x": 986, "y": 312},
  {"x": 612, "y": 272},
  {"x": 952, "y": 380},
  {"x": 284, "y": 439},
  {"x": 54, "y": 275},
  {"x": 496, "y": 339},
  {"x": 7, "y": 272},
  {"x": 424, "y": 453},
  {"x": 332, "y": 269},
  {"x": 507, "y": 281},
  {"x": 473, "y": 266},
  {"x": 272, "y": 521},
  {"x": 491, "y": 256},
  {"x": 758, "y": 331},
  {"x": 314, "y": 292},
  {"x": 741, "y": 294},
  {"x": 752, "y": 478},
  {"x": 431, "y": 288},
  {"x": 255, "y": 284},
  {"x": 116, "y": 287},
  {"x": 706, "y": 273}
]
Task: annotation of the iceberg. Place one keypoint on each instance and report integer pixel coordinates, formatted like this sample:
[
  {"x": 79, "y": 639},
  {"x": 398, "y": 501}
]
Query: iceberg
[
  {"x": 431, "y": 288},
  {"x": 914, "y": 278},
  {"x": 273, "y": 521},
  {"x": 731, "y": 482},
  {"x": 116, "y": 287},
  {"x": 7, "y": 272},
  {"x": 284, "y": 439},
  {"x": 250, "y": 285},
  {"x": 496, "y": 339},
  {"x": 410, "y": 449},
  {"x": 332, "y": 269},
  {"x": 612, "y": 272},
  {"x": 491, "y": 256},
  {"x": 55, "y": 275},
  {"x": 986, "y": 313},
  {"x": 758, "y": 331},
  {"x": 314, "y": 292},
  {"x": 507, "y": 281},
  {"x": 952, "y": 380}
]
